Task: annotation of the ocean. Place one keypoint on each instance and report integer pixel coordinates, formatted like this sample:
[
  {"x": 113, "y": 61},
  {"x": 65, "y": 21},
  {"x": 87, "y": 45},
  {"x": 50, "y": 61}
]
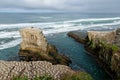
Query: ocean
[{"x": 55, "y": 27}]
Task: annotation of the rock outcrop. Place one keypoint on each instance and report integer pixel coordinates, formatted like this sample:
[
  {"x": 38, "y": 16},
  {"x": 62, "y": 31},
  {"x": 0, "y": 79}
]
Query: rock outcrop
[
  {"x": 35, "y": 47},
  {"x": 106, "y": 36},
  {"x": 79, "y": 36},
  {"x": 105, "y": 46},
  {"x": 10, "y": 69}
]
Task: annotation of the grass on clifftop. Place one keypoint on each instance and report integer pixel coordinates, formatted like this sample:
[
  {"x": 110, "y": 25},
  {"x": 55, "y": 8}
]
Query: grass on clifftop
[
  {"x": 45, "y": 77},
  {"x": 106, "y": 46},
  {"x": 76, "y": 76}
]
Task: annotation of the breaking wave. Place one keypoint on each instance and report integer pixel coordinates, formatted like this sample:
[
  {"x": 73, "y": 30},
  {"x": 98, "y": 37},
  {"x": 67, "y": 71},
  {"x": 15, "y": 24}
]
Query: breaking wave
[{"x": 12, "y": 30}]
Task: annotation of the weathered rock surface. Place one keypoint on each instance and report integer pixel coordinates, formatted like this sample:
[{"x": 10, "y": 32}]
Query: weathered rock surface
[
  {"x": 11, "y": 69},
  {"x": 106, "y": 36},
  {"x": 105, "y": 46},
  {"x": 35, "y": 47},
  {"x": 79, "y": 36},
  {"x": 117, "y": 38}
]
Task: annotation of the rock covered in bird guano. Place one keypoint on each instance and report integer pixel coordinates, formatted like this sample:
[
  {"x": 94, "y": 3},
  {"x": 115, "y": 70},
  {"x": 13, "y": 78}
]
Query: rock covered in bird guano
[
  {"x": 11, "y": 69},
  {"x": 34, "y": 47},
  {"x": 106, "y": 36}
]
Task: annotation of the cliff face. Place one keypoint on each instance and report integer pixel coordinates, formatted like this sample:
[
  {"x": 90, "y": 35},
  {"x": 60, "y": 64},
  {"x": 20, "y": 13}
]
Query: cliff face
[
  {"x": 105, "y": 48},
  {"x": 35, "y": 47},
  {"x": 34, "y": 39}
]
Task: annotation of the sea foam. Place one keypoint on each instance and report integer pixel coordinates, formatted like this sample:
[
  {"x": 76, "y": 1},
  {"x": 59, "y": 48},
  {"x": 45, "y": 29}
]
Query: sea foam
[{"x": 12, "y": 30}]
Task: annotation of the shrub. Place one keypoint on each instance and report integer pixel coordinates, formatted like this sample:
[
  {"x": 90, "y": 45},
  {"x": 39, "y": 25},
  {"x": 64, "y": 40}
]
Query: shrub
[
  {"x": 115, "y": 48},
  {"x": 45, "y": 77},
  {"x": 77, "y": 76}
]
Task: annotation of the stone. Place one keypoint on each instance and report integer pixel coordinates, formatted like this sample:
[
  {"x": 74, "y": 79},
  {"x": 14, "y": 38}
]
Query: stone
[
  {"x": 10, "y": 69},
  {"x": 34, "y": 47},
  {"x": 105, "y": 47},
  {"x": 79, "y": 36},
  {"x": 33, "y": 38},
  {"x": 105, "y": 36},
  {"x": 117, "y": 38}
]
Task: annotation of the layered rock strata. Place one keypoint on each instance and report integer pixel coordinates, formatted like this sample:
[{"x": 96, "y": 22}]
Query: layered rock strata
[
  {"x": 34, "y": 47},
  {"x": 105, "y": 46}
]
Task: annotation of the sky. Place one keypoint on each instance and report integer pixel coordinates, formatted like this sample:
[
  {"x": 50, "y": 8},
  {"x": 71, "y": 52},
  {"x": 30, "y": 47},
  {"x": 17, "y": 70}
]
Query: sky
[{"x": 92, "y": 6}]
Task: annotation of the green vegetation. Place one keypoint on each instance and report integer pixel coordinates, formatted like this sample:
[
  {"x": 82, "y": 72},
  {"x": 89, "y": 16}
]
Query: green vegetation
[
  {"x": 45, "y": 77},
  {"x": 78, "y": 76},
  {"x": 102, "y": 44},
  {"x": 91, "y": 44},
  {"x": 115, "y": 48}
]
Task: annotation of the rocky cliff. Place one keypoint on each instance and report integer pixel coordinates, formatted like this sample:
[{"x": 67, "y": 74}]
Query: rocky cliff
[
  {"x": 35, "y": 47},
  {"x": 106, "y": 36},
  {"x": 105, "y": 46}
]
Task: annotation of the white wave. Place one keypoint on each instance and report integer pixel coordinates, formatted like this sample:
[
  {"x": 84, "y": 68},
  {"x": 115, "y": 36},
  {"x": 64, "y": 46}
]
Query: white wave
[
  {"x": 43, "y": 25},
  {"x": 10, "y": 44},
  {"x": 49, "y": 28},
  {"x": 12, "y": 34},
  {"x": 56, "y": 28},
  {"x": 93, "y": 19},
  {"x": 43, "y": 17}
]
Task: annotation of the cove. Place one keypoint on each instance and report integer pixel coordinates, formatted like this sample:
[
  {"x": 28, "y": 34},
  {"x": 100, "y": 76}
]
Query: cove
[{"x": 80, "y": 59}]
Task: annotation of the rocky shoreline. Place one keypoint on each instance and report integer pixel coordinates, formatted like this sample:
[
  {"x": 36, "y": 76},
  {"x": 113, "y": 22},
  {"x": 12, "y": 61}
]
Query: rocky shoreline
[
  {"x": 34, "y": 47},
  {"x": 104, "y": 46},
  {"x": 39, "y": 58}
]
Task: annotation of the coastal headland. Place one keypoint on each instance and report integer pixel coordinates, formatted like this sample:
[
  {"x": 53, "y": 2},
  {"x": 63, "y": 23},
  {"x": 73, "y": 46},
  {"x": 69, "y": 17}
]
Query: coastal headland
[
  {"x": 39, "y": 60},
  {"x": 104, "y": 46}
]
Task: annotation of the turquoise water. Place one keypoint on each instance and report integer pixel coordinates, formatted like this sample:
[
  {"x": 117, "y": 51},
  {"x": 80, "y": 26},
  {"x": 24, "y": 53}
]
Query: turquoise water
[
  {"x": 55, "y": 26},
  {"x": 80, "y": 59}
]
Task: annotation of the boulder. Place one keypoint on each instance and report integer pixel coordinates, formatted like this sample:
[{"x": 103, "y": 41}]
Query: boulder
[{"x": 34, "y": 47}]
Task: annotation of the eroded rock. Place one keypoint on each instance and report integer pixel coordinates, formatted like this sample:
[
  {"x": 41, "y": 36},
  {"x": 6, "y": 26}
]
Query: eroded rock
[
  {"x": 35, "y": 47},
  {"x": 105, "y": 36},
  {"x": 105, "y": 46}
]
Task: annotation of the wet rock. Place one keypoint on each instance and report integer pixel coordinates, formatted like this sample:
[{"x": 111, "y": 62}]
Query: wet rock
[{"x": 35, "y": 47}]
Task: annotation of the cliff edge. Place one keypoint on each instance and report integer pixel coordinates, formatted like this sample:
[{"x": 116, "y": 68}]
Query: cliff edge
[
  {"x": 34, "y": 47},
  {"x": 105, "y": 47}
]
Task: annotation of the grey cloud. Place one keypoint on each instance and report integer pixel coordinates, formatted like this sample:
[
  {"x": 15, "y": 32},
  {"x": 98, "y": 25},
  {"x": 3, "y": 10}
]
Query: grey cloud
[{"x": 62, "y": 5}]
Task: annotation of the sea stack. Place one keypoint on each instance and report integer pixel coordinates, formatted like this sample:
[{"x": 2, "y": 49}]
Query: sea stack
[{"x": 34, "y": 47}]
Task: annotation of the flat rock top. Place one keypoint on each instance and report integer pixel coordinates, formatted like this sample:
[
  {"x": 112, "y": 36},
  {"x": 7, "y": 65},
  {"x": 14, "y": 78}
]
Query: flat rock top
[
  {"x": 33, "y": 38},
  {"x": 106, "y": 36},
  {"x": 8, "y": 69},
  {"x": 80, "y": 34}
]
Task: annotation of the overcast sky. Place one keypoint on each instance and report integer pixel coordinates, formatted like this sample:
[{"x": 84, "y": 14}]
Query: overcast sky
[{"x": 98, "y": 6}]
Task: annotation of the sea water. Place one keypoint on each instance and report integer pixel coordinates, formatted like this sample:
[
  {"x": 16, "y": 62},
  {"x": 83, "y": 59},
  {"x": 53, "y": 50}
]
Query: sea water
[{"x": 55, "y": 27}]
